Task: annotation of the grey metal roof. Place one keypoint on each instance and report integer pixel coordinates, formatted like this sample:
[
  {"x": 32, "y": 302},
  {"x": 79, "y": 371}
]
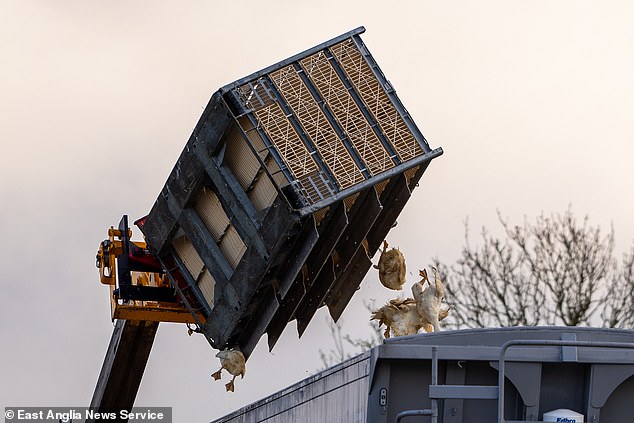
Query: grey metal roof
[{"x": 351, "y": 390}]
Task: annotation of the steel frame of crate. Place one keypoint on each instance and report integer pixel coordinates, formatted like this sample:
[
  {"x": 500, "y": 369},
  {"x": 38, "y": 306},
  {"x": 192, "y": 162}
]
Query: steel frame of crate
[
  {"x": 338, "y": 158},
  {"x": 332, "y": 118}
]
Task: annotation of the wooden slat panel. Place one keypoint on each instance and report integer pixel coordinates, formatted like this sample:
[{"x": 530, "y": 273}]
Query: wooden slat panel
[
  {"x": 317, "y": 127},
  {"x": 207, "y": 284},
  {"x": 347, "y": 113},
  {"x": 265, "y": 155},
  {"x": 275, "y": 230},
  {"x": 209, "y": 208},
  {"x": 160, "y": 224},
  {"x": 205, "y": 245},
  {"x": 188, "y": 255},
  {"x": 240, "y": 159},
  {"x": 232, "y": 246},
  {"x": 196, "y": 267},
  {"x": 262, "y": 193},
  {"x": 286, "y": 140},
  {"x": 234, "y": 200},
  {"x": 253, "y": 136},
  {"x": 376, "y": 100},
  {"x": 180, "y": 279}
]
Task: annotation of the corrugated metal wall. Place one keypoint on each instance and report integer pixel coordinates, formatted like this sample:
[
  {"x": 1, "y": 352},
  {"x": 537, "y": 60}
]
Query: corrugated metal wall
[{"x": 338, "y": 394}]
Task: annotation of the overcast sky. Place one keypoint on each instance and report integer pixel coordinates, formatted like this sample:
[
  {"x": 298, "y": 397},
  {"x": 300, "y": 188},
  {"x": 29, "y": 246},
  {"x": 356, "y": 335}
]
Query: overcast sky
[{"x": 531, "y": 101}]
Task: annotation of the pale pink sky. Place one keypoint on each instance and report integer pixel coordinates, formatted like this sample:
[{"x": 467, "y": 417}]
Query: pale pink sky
[{"x": 531, "y": 101}]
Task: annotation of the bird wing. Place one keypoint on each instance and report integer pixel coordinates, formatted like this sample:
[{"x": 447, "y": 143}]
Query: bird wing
[{"x": 407, "y": 321}]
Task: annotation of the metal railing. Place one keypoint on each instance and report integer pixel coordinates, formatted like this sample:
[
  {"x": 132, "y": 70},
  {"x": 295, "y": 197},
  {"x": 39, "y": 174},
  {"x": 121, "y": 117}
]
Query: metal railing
[
  {"x": 543, "y": 343},
  {"x": 492, "y": 392},
  {"x": 433, "y": 411}
]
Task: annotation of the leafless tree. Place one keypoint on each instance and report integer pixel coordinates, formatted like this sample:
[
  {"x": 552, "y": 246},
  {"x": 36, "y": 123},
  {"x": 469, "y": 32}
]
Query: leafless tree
[
  {"x": 555, "y": 271},
  {"x": 490, "y": 286},
  {"x": 342, "y": 343},
  {"x": 617, "y": 308}
]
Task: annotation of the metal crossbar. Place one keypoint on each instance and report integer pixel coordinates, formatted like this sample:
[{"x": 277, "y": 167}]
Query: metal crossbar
[
  {"x": 313, "y": 124},
  {"x": 543, "y": 343},
  {"x": 182, "y": 293},
  {"x": 346, "y": 113},
  {"x": 374, "y": 95},
  {"x": 492, "y": 392},
  {"x": 463, "y": 392},
  {"x": 329, "y": 111},
  {"x": 433, "y": 411}
]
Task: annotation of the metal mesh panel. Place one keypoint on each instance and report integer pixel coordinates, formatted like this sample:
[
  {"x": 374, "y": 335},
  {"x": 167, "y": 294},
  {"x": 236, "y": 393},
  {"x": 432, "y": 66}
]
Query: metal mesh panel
[
  {"x": 317, "y": 127},
  {"x": 255, "y": 95},
  {"x": 380, "y": 187},
  {"x": 347, "y": 113},
  {"x": 409, "y": 174},
  {"x": 349, "y": 201},
  {"x": 327, "y": 119},
  {"x": 263, "y": 151},
  {"x": 376, "y": 100},
  {"x": 286, "y": 140},
  {"x": 316, "y": 186},
  {"x": 320, "y": 214}
]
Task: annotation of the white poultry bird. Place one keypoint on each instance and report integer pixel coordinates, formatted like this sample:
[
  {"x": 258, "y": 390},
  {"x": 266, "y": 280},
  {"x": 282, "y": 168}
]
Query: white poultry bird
[
  {"x": 428, "y": 299},
  {"x": 442, "y": 314},
  {"x": 391, "y": 268},
  {"x": 232, "y": 361},
  {"x": 399, "y": 316}
]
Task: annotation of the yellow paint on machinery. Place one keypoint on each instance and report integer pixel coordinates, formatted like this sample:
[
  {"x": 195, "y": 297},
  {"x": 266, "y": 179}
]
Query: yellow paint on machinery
[{"x": 153, "y": 311}]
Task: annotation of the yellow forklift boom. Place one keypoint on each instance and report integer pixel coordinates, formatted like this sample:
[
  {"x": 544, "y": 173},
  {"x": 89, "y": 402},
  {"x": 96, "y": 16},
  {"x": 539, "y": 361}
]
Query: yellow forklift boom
[{"x": 139, "y": 289}]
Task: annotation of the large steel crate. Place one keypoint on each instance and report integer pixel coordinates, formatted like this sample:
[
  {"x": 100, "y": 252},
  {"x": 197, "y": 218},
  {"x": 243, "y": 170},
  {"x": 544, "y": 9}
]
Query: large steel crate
[{"x": 290, "y": 181}]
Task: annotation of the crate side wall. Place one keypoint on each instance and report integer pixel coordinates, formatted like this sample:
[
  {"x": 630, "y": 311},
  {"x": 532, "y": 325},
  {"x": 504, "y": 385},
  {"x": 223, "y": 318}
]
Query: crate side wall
[{"x": 338, "y": 394}]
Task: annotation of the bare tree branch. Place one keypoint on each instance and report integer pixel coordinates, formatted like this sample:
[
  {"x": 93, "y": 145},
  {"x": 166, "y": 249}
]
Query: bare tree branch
[
  {"x": 617, "y": 308},
  {"x": 342, "y": 342},
  {"x": 556, "y": 270},
  {"x": 547, "y": 272}
]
